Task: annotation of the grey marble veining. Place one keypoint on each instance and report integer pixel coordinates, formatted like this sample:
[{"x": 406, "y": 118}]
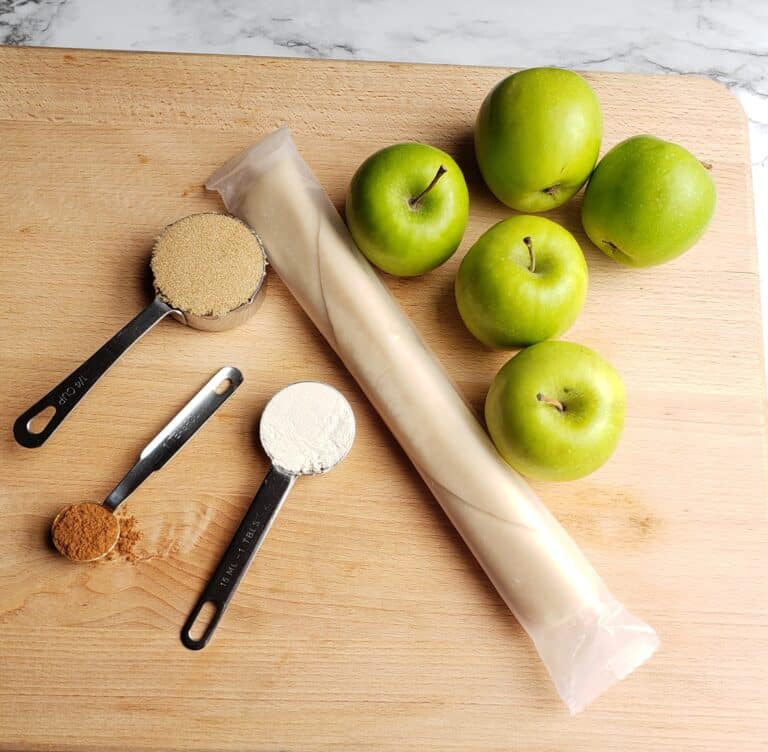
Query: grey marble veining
[{"x": 724, "y": 39}]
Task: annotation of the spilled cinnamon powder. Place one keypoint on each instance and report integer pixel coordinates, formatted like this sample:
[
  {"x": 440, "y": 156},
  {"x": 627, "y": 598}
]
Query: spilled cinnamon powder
[{"x": 130, "y": 535}]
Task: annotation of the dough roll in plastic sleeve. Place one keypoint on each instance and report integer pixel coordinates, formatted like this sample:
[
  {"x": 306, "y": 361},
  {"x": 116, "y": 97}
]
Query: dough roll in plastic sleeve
[{"x": 586, "y": 638}]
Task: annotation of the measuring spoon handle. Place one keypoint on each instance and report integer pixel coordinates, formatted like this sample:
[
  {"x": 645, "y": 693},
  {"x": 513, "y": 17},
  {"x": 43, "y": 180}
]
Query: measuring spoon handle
[
  {"x": 238, "y": 557},
  {"x": 182, "y": 427},
  {"x": 64, "y": 397}
]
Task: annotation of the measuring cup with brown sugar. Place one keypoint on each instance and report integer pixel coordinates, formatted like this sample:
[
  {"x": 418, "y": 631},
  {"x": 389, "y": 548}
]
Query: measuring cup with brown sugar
[
  {"x": 87, "y": 531},
  {"x": 209, "y": 271}
]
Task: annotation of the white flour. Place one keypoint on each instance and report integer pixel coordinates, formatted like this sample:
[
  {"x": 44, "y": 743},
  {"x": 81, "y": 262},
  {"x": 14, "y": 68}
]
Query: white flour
[{"x": 307, "y": 428}]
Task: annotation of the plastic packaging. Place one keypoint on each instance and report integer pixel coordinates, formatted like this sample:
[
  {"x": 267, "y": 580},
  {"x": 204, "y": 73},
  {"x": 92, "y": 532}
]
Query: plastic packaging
[{"x": 586, "y": 638}]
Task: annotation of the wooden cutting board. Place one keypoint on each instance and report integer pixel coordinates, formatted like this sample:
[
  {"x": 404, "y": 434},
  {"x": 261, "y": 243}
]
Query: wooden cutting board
[{"x": 364, "y": 623}]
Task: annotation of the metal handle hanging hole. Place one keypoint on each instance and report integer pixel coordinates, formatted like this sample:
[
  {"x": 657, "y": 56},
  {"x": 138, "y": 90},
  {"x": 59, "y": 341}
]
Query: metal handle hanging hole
[
  {"x": 38, "y": 423},
  {"x": 205, "y": 616},
  {"x": 223, "y": 386}
]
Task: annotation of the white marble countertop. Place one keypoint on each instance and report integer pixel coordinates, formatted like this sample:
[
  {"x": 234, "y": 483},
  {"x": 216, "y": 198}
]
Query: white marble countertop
[{"x": 724, "y": 39}]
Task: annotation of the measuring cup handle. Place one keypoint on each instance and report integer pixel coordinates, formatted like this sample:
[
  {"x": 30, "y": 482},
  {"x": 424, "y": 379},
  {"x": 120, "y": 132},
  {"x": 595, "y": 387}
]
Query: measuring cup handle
[
  {"x": 238, "y": 557},
  {"x": 64, "y": 397}
]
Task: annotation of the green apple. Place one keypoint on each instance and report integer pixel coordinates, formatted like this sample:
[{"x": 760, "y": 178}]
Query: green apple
[
  {"x": 407, "y": 208},
  {"x": 537, "y": 137},
  {"x": 555, "y": 411},
  {"x": 523, "y": 281},
  {"x": 647, "y": 201}
]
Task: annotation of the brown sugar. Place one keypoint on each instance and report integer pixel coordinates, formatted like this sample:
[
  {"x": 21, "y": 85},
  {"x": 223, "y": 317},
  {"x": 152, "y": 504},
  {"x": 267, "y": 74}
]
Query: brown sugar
[
  {"x": 83, "y": 532},
  {"x": 207, "y": 264}
]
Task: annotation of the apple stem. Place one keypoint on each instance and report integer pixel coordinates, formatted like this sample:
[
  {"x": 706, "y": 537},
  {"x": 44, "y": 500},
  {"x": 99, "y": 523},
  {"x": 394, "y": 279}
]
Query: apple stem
[
  {"x": 559, "y": 406},
  {"x": 529, "y": 244},
  {"x": 414, "y": 202},
  {"x": 706, "y": 165}
]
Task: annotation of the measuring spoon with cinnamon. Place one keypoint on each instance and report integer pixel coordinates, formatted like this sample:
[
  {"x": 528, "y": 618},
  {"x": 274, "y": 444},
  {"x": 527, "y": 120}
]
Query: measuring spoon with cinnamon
[{"x": 88, "y": 531}]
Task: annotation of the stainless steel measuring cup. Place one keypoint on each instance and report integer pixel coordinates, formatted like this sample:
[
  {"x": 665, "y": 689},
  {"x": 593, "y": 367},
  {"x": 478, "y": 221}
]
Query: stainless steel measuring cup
[
  {"x": 292, "y": 453},
  {"x": 182, "y": 427},
  {"x": 65, "y": 396}
]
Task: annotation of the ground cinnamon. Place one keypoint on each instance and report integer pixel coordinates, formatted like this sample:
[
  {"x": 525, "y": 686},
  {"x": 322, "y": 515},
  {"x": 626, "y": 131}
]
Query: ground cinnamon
[
  {"x": 130, "y": 535},
  {"x": 83, "y": 532}
]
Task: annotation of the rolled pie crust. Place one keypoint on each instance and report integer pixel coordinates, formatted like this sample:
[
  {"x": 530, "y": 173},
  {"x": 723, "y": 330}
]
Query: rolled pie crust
[{"x": 586, "y": 638}]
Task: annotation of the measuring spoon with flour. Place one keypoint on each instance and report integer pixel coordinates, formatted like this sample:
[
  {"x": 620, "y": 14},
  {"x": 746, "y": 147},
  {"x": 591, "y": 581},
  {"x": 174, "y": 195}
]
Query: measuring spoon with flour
[
  {"x": 306, "y": 429},
  {"x": 67, "y": 529},
  {"x": 208, "y": 271}
]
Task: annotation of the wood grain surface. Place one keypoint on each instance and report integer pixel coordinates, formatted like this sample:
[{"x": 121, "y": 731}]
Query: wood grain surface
[{"x": 364, "y": 622}]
